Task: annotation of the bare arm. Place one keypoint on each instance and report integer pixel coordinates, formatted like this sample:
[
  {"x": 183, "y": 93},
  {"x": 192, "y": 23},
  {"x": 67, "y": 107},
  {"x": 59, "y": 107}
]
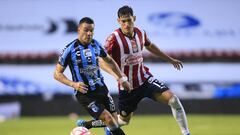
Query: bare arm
[
  {"x": 111, "y": 67},
  {"x": 105, "y": 66},
  {"x": 156, "y": 51},
  {"x": 59, "y": 76}
]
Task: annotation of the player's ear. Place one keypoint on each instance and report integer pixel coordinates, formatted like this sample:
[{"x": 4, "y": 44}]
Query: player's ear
[
  {"x": 118, "y": 20},
  {"x": 78, "y": 29},
  {"x": 134, "y": 18}
]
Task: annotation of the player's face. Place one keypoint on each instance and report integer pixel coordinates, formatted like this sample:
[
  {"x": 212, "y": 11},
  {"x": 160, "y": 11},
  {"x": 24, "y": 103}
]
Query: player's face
[
  {"x": 85, "y": 33},
  {"x": 127, "y": 24}
]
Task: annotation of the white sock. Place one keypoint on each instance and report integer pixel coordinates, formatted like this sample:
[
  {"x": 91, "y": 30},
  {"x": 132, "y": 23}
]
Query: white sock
[
  {"x": 179, "y": 114},
  {"x": 121, "y": 122}
]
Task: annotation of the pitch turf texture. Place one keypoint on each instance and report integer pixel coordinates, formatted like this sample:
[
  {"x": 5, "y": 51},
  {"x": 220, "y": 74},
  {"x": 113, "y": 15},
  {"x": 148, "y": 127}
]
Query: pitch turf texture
[{"x": 140, "y": 125}]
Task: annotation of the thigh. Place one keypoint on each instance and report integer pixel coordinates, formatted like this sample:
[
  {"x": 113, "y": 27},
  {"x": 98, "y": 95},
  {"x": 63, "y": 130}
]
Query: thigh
[
  {"x": 128, "y": 101},
  {"x": 92, "y": 105},
  {"x": 157, "y": 90},
  {"x": 107, "y": 118},
  {"x": 115, "y": 115},
  {"x": 163, "y": 97}
]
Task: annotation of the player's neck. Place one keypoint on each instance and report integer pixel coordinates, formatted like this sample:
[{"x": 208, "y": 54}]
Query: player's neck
[
  {"x": 83, "y": 43},
  {"x": 130, "y": 34}
]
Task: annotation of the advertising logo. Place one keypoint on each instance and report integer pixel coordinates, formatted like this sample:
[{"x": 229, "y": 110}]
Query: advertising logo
[
  {"x": 174, "y": 20},
  {"x": 50, "y": 26},
  {"x": 178, "y": 24}
]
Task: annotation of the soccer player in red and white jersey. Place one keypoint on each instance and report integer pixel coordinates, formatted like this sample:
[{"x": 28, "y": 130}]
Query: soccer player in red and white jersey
[{"x": 125, "y": 46}]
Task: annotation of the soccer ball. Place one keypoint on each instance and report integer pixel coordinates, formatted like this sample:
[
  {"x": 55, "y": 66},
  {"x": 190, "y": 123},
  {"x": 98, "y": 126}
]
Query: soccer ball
[{"x": 80, "y": 131}]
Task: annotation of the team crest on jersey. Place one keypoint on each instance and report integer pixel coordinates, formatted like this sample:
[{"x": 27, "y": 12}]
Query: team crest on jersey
[
  {"x": 87, "y": 52},
  {"x": 134, "y": 46}
]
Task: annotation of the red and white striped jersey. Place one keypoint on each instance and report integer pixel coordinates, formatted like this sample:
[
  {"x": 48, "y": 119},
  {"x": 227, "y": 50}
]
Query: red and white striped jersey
[{"x": 127, "y": 52}]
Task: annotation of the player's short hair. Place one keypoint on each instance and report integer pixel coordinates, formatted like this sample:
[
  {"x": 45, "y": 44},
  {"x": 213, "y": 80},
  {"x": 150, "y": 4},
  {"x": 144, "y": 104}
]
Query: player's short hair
[
  {"x": 125, "y": 10},
  {"x": 86, "y": 20}
]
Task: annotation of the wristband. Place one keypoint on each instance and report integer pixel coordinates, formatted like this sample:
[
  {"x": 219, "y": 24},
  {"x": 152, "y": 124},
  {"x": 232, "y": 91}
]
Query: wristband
[{"x": 122, "y": 79}]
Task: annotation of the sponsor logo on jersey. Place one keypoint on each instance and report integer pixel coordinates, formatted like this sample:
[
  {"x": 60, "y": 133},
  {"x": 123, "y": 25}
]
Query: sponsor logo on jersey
[
  {"x": 89, "y": 70},
  {"x": 133, "y": 59}
]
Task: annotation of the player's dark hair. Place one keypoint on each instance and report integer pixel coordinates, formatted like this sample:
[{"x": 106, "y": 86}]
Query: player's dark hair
[
  {"x": 86, "y": 20},
  {"x": 125, "y": 10}
]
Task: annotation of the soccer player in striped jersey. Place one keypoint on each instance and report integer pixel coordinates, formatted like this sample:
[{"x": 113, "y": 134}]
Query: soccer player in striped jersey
[
  {"x": 82, "y": 56},
  {"x": 125, "y": 46}
]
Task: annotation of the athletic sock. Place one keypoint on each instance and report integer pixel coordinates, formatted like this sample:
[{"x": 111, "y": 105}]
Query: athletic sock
[
  {"x": 179, "y": 114},
  {"x": 95, "y": 124},
  {"x": 99, "y": 123}
]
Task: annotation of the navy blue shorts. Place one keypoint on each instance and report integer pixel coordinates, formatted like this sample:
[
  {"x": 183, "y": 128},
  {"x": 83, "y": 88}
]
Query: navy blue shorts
[
  {"x": 128, "y": 101},
  {"x": 96, "y": 101}
]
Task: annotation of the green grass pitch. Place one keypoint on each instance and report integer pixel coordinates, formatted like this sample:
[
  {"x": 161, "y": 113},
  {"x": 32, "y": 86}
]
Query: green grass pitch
[{"x": 140, "y": 125}]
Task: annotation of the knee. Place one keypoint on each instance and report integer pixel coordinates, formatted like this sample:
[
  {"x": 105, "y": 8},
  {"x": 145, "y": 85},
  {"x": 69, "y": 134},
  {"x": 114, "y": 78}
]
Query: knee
[
  {"x": 163, "y": 97},
  {"x": 122, "y": 121},
  {"x": 107, "y": 118},
  {"x": 174, "y": 102}
]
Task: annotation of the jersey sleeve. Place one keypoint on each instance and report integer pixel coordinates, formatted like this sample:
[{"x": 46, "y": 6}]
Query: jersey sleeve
[
  {"x": 103, "y": 52},
  {"x": 147, "y": 42},
  {"x": 109, "y": 44},
  {"x": 64, "y": 56}
]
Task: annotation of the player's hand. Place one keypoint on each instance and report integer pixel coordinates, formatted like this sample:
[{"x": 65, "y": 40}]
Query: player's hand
[
  {"x": 176, "y": 63},
  {"x": 80, "y": 86},
  {"x": 127, "y": 86}
]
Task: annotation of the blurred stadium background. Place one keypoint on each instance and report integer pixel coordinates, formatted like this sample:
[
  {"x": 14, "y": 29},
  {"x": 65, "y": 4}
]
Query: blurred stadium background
[{"x": 204, "y": 34}]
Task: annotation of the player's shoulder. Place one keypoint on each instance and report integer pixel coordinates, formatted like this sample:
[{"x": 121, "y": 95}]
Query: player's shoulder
[
  {"x": 139, "y": 30},
  {"x": 69, "y": 45},
  {"x": 112, "y": 36},
  {"x": 96, "y": 42},
  {"x": 111, "y": 39}
]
